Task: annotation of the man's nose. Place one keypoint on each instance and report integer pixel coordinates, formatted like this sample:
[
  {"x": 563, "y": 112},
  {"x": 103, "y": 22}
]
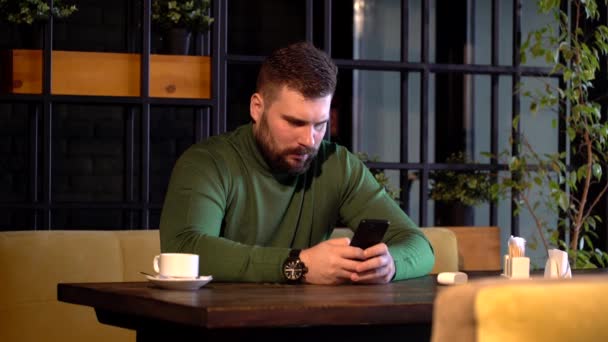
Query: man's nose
[{"x": 307, "y": 137}]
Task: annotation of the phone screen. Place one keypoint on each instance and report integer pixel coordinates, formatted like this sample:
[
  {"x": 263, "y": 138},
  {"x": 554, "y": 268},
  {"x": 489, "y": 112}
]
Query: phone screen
[{"x": 369, "y": 233}]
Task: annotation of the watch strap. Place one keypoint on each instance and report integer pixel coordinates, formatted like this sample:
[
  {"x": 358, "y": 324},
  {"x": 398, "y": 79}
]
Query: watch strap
[{"x": 295, "y": 253}]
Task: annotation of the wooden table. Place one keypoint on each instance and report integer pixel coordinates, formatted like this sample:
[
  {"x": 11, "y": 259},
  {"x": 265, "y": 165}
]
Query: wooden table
[{"x": 396, "y": 311}]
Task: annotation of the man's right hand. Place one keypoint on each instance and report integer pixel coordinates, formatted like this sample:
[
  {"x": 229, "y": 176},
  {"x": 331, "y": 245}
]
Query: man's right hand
[{"x": 331, "y": 262}]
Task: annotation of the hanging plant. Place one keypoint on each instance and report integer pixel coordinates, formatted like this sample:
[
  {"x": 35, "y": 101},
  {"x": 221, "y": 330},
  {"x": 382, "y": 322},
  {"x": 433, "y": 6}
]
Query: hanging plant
[
  {"x": 468, "y": 187},
  {"x": 193, "y": 15},
  {"x": 30, "y": 11}
]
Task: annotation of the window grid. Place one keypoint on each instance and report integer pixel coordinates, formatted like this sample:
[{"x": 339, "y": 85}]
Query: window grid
[{"x": 210, "y": 117}]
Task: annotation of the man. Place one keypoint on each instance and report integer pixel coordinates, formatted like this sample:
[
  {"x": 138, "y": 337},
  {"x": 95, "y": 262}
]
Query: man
[{"x": 259, "y": 203}]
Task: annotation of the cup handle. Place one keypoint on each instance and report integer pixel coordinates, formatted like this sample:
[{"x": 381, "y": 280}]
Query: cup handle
[{"x": 156, "y": 264}]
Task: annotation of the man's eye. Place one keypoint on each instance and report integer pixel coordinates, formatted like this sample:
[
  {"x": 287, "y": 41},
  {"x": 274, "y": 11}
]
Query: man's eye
[
  {"x": 296, "y": 123},
  {"x": 320, "y": 126}
]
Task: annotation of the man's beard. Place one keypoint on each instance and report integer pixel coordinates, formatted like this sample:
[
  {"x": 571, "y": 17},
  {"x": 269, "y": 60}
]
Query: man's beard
[{"x": 277, "y": 159}]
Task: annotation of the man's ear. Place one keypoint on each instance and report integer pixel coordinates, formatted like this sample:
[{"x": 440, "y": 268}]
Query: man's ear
[{"x": 256, "y": 107}]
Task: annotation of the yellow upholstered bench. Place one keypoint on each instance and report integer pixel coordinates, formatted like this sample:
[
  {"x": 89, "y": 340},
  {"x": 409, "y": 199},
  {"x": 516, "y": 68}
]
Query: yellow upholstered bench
[
  {"x": 445, "y": 246},
  {"x": 523, "y": 310},
  {"x": 33, "y": 262}
]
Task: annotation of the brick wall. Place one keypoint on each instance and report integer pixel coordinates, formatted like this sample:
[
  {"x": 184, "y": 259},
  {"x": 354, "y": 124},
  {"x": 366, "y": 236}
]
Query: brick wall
[
  {"x": 89, "y": 158},
  {"x": 171, "y": 133},
  {"x": 88, "y": 153}
]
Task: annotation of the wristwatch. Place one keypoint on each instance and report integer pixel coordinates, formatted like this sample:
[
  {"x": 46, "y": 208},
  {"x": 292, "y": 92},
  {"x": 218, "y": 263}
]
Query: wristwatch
[{"x": 293, "y": 268}]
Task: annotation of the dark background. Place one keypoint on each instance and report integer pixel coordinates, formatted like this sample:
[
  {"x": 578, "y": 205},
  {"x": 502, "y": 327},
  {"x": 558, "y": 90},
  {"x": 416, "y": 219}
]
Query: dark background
[
  {"x": 96, "y": 148},
  {"x": 78, "y": 162}
]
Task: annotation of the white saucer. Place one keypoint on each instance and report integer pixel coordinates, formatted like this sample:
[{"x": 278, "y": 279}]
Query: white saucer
[{"x": 179, "y": 283}]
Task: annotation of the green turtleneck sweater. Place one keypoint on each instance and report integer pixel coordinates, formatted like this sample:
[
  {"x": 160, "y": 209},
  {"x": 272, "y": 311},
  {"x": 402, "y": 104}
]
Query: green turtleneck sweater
[{"x": 225, "y": 204}]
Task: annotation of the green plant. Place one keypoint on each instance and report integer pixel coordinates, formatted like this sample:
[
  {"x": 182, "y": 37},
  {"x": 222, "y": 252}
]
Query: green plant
[
  {"x": 469, "y": 187},
  {"x": 192, "y": 15},
  {"x": 29, "y": 11},
  {"x": 569, "y": 183},
  {"x": 381, "y": 177}
]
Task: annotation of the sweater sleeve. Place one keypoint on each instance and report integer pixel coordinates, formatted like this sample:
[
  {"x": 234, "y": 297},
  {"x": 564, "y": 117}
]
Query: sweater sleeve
[
  {"x": 362, "y": 197},
  {"x": 191, "y": 222}
]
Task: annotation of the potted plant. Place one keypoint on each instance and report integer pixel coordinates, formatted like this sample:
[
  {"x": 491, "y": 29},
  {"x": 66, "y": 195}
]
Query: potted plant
[
  {"x": 28, "y": 15},
  {"x": 30, "y": 11},
  {"x": 570, "y": 183},
  {"x": 178, "y": 20},
  {"x": 457, "y": 192}
]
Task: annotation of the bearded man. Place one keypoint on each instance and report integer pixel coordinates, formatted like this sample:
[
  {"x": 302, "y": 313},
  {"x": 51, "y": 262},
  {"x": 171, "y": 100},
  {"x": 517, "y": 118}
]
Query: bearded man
[{"x": 259, "y": 204}]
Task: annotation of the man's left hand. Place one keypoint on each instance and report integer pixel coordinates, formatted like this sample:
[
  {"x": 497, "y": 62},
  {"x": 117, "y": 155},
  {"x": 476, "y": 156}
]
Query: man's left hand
[{"x": 378, "y": 267}]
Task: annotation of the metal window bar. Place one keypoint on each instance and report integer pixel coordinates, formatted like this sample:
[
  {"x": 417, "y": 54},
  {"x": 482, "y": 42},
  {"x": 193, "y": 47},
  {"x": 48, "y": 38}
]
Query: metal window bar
[
  {"x": 494, "y": 103},
  {"x": 326, "y": 39},
  {"x": 47, "y": 112},
  {"x": 404, "y": 103},
  {"x": 308, "y": 20},
  {"x": 515, "y": 100},
  {"x": 219, "y": 67},
  {"x": 424, "y": 112},
  {"x": 129, "y": 157},
  {"x": 34, "y": 150},
  {"x": 129, "y": 121},
  {"x": 328, "y": 28},
  {"x": 145, "y": 114}
]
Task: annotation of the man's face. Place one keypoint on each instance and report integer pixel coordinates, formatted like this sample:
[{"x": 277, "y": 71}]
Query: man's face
[{"x": 290, "y": 129}]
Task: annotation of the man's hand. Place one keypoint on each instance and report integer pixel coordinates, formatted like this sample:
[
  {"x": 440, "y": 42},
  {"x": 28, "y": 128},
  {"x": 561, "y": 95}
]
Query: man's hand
[
  {"x": 378, "y": 266},
  {"x": 332, "y": 262}
]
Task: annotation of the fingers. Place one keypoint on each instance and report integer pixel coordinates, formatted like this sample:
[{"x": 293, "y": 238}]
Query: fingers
[
  {"x": 378, "y": 275},
  {"x": 375, "y": 250},
  {"x": 344, "y": 250},
  {"x": 373, "y": 263},
  {"x": 335, "y": 261},
  {"x": 379, "y": 266},
  {"x": 331, "y": 262},
  {"x": 381, "y": 275},
  {"x": 339, "y": 241}
]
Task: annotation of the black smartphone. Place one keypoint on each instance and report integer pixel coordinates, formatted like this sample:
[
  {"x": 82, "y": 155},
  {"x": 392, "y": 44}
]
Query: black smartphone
[{"x": 369, "y": 233}]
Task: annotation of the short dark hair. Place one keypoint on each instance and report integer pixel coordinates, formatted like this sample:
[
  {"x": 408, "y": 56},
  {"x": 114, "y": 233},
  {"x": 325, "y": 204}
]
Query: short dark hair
[{"x": 301, "y": 67}]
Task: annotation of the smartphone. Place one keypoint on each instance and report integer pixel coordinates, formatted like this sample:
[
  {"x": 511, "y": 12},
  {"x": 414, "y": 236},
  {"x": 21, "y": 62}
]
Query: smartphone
[{"x": 369, "y": 233}]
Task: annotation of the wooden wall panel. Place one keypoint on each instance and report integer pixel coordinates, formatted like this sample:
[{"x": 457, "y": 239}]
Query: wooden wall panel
[
  {"x": 108, "y": 74},
  {"x": 478, "y": 248},
  {"x": 94, "y": 73},
  {"x": 180, "y": 76}
]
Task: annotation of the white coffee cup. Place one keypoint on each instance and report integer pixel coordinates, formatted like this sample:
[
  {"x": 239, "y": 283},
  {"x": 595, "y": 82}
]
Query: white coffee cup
[{"x": 176, "y": 265}]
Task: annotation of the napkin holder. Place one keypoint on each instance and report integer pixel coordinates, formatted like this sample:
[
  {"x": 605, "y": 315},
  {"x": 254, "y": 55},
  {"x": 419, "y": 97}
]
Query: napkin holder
[
  {"x": 558, "y": 266},
  {"x": 516, "y": 267}
]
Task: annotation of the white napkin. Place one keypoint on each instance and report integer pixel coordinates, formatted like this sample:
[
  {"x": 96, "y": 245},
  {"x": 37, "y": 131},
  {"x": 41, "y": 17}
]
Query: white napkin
[
  {"x": 517, "y": 246},
  {"x": 557, "y": 265}
]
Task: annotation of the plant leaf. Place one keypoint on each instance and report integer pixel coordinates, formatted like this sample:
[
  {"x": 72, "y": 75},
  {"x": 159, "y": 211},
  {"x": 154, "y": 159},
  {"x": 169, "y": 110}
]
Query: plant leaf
[{"x": 597, "y": 171}]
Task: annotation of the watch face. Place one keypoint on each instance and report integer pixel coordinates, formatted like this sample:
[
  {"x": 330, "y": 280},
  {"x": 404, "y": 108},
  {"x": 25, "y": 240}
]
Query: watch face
[{"x": 293, "y": 270}]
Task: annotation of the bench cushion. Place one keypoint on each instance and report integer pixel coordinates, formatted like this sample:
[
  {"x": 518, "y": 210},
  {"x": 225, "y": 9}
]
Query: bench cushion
[
  {"x": 539, "y": 309},
  {"x": 34, "y": 262}
]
